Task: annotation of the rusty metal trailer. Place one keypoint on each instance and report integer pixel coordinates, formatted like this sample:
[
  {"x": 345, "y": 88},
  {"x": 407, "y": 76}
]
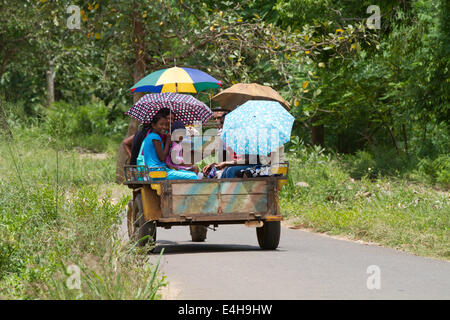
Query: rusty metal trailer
[{"x": 158, "y": 202}]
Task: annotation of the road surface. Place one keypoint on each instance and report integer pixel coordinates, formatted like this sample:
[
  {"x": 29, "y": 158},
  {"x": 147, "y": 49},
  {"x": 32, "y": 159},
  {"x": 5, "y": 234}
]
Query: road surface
[{"x": 306, "y": 265}]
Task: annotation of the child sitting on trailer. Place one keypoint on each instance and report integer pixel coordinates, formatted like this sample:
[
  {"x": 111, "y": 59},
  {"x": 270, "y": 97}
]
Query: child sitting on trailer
[{"x": 174, "y": 159}]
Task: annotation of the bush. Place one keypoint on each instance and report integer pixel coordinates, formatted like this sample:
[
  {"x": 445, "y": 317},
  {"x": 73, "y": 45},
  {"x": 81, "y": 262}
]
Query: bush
[
  {"x": 46, "y": 226},
  {"x": 93, "y": 126},
  {"x": 362, "y": 164},
  {"x": 39, "y": 240},
  {"x": 66, "y": 119},
  {"x": 377, "y": 162},
  {"x": 437, "y": 170},
  {"x": 391, "y": 210}
]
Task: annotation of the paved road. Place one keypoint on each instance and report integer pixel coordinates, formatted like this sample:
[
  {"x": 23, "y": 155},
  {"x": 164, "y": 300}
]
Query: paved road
[{"x": 230, "y": 265}]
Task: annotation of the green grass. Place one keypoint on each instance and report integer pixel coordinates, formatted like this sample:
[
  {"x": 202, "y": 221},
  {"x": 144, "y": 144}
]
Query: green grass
[
  {"x": 45, "y": 227},
  {"x": 393, "y": 211}
]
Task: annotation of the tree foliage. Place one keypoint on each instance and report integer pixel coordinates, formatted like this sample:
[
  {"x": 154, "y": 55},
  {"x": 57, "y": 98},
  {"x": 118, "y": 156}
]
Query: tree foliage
[{"x": 365, "y": 87}]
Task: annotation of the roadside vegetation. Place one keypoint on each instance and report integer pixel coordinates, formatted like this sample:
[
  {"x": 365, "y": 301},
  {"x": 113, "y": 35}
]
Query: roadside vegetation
[
  {"x": 369, "y": 154},
  {"x": 60, "y": 208},
  {"x": 377, "y": 196}
]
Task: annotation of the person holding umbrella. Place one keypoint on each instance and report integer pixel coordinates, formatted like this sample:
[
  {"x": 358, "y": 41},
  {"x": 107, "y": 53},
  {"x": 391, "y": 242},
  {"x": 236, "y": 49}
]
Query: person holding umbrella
[
  {"x": 175, "y": 106},
  {"x": 133, "y": 143},
  {"x": 256, "y": 128},
  {"x": 156, "y": 151},
  {"x": 167, "y": 84}
]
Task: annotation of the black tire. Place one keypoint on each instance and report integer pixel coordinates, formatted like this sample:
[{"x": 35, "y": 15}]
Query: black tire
[
  {"x": 269, "y": 235},
  {"x": 198, "y": 233},
  {"x": 144, "y": 231}
]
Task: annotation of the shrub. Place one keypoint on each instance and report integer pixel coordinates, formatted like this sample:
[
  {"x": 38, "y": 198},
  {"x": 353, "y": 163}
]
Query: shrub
[
  {"x": 39, "y": 241},
  {"x": 86, "y": 126},
  {"x": 45, "y": 227},
  {"x": 66, "y": 119},
  {"x": 437, "y": 170},
  {"x": 390, "y": 210},
  {"x": 380, "y": 161}
]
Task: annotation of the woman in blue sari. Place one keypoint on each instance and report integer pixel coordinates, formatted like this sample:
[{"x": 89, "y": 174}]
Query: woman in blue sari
[{"x": 156, "y": 150}]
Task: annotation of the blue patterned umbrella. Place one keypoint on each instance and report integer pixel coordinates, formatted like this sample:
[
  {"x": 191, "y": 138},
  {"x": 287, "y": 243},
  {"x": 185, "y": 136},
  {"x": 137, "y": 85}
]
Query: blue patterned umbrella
[{"x": 257, "y": 127}]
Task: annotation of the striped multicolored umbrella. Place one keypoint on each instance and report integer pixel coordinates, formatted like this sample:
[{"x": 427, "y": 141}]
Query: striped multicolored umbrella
[
  {"x": 176, "y": 80},
  {"x": 185, "y": 107}
]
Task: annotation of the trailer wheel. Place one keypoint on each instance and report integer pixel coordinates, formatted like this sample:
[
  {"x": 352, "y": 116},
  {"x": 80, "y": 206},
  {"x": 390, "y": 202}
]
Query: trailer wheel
[
  {"x": 198, "y": 232},
  {"x": 144, "y": 231},
  {"x": 269, "y": 235}
]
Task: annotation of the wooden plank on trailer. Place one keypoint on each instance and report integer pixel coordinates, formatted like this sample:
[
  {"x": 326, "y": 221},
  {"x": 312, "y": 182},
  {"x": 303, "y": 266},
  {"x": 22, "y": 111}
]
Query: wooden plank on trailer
[
  {"x": 151, "y": 204},
  {"x": 276, "y": 205},
  {"x": 166, "y": 199},
  {"x": 199, "y": 204},
  {"x": 209, "y": 218},
  {"x": 250, "y": 203},
  {"x": 243, "y": 187},
  {"x": 272, "y": 201},
  {"x": 201, "y": 188},
  {"x": 218, "y": 180}
]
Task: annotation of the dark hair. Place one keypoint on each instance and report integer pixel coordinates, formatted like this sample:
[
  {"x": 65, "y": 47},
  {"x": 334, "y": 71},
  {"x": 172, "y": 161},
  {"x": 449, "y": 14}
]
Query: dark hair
[
  {"x": 164, "y": 111},
  {"x": 156, "y": 118},
  {"x": 224, "y": 113},
  {"x": 139, "y": 137},
  {"x": 178, "y": 125}
]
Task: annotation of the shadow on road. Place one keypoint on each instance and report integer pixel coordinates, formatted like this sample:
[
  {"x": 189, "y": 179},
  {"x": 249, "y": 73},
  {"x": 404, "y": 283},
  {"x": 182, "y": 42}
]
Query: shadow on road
[{"x": 171, "y": 247}]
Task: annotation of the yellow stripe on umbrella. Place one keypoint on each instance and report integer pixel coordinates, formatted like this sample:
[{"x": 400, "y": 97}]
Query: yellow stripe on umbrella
[
  {"x": 174, "y": 75},
  {"x": 176, "y": 80}
]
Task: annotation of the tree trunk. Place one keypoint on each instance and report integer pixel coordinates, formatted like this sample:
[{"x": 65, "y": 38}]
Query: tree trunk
[
  {"x": 405, "y": 138},
  {"x": 317, "y": 133},
  {"x": 394, "y": 141},
  {"x": 51, "y": 82},
  {"x": 138, "y": 74}
]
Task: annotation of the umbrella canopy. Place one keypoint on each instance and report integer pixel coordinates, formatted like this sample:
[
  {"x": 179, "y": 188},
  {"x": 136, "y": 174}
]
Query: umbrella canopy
[
  {"x": 176, "y": 80},
  {"x": 185, "y": 107},
  {"x": 240, "y": 93},
  {"x": 257, "y": 127}
]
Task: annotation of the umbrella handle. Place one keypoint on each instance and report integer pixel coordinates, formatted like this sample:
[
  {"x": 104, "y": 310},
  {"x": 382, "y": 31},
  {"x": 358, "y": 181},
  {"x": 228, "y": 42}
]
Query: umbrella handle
[
  {"x": 170, "y": 117},
  {"x": 170, "y": 109}
]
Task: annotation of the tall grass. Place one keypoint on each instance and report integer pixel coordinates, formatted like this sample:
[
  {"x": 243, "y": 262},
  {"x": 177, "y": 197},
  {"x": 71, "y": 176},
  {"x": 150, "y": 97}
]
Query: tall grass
[{"x": 55, "y": 212}]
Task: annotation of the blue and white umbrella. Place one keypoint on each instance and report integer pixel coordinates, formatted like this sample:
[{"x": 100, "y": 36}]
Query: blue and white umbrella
[{"x": 257, "y": 127}]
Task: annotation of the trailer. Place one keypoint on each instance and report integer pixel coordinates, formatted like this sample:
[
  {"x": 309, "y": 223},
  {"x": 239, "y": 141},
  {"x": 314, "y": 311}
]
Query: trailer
[{"x": 199, "y": 204}]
